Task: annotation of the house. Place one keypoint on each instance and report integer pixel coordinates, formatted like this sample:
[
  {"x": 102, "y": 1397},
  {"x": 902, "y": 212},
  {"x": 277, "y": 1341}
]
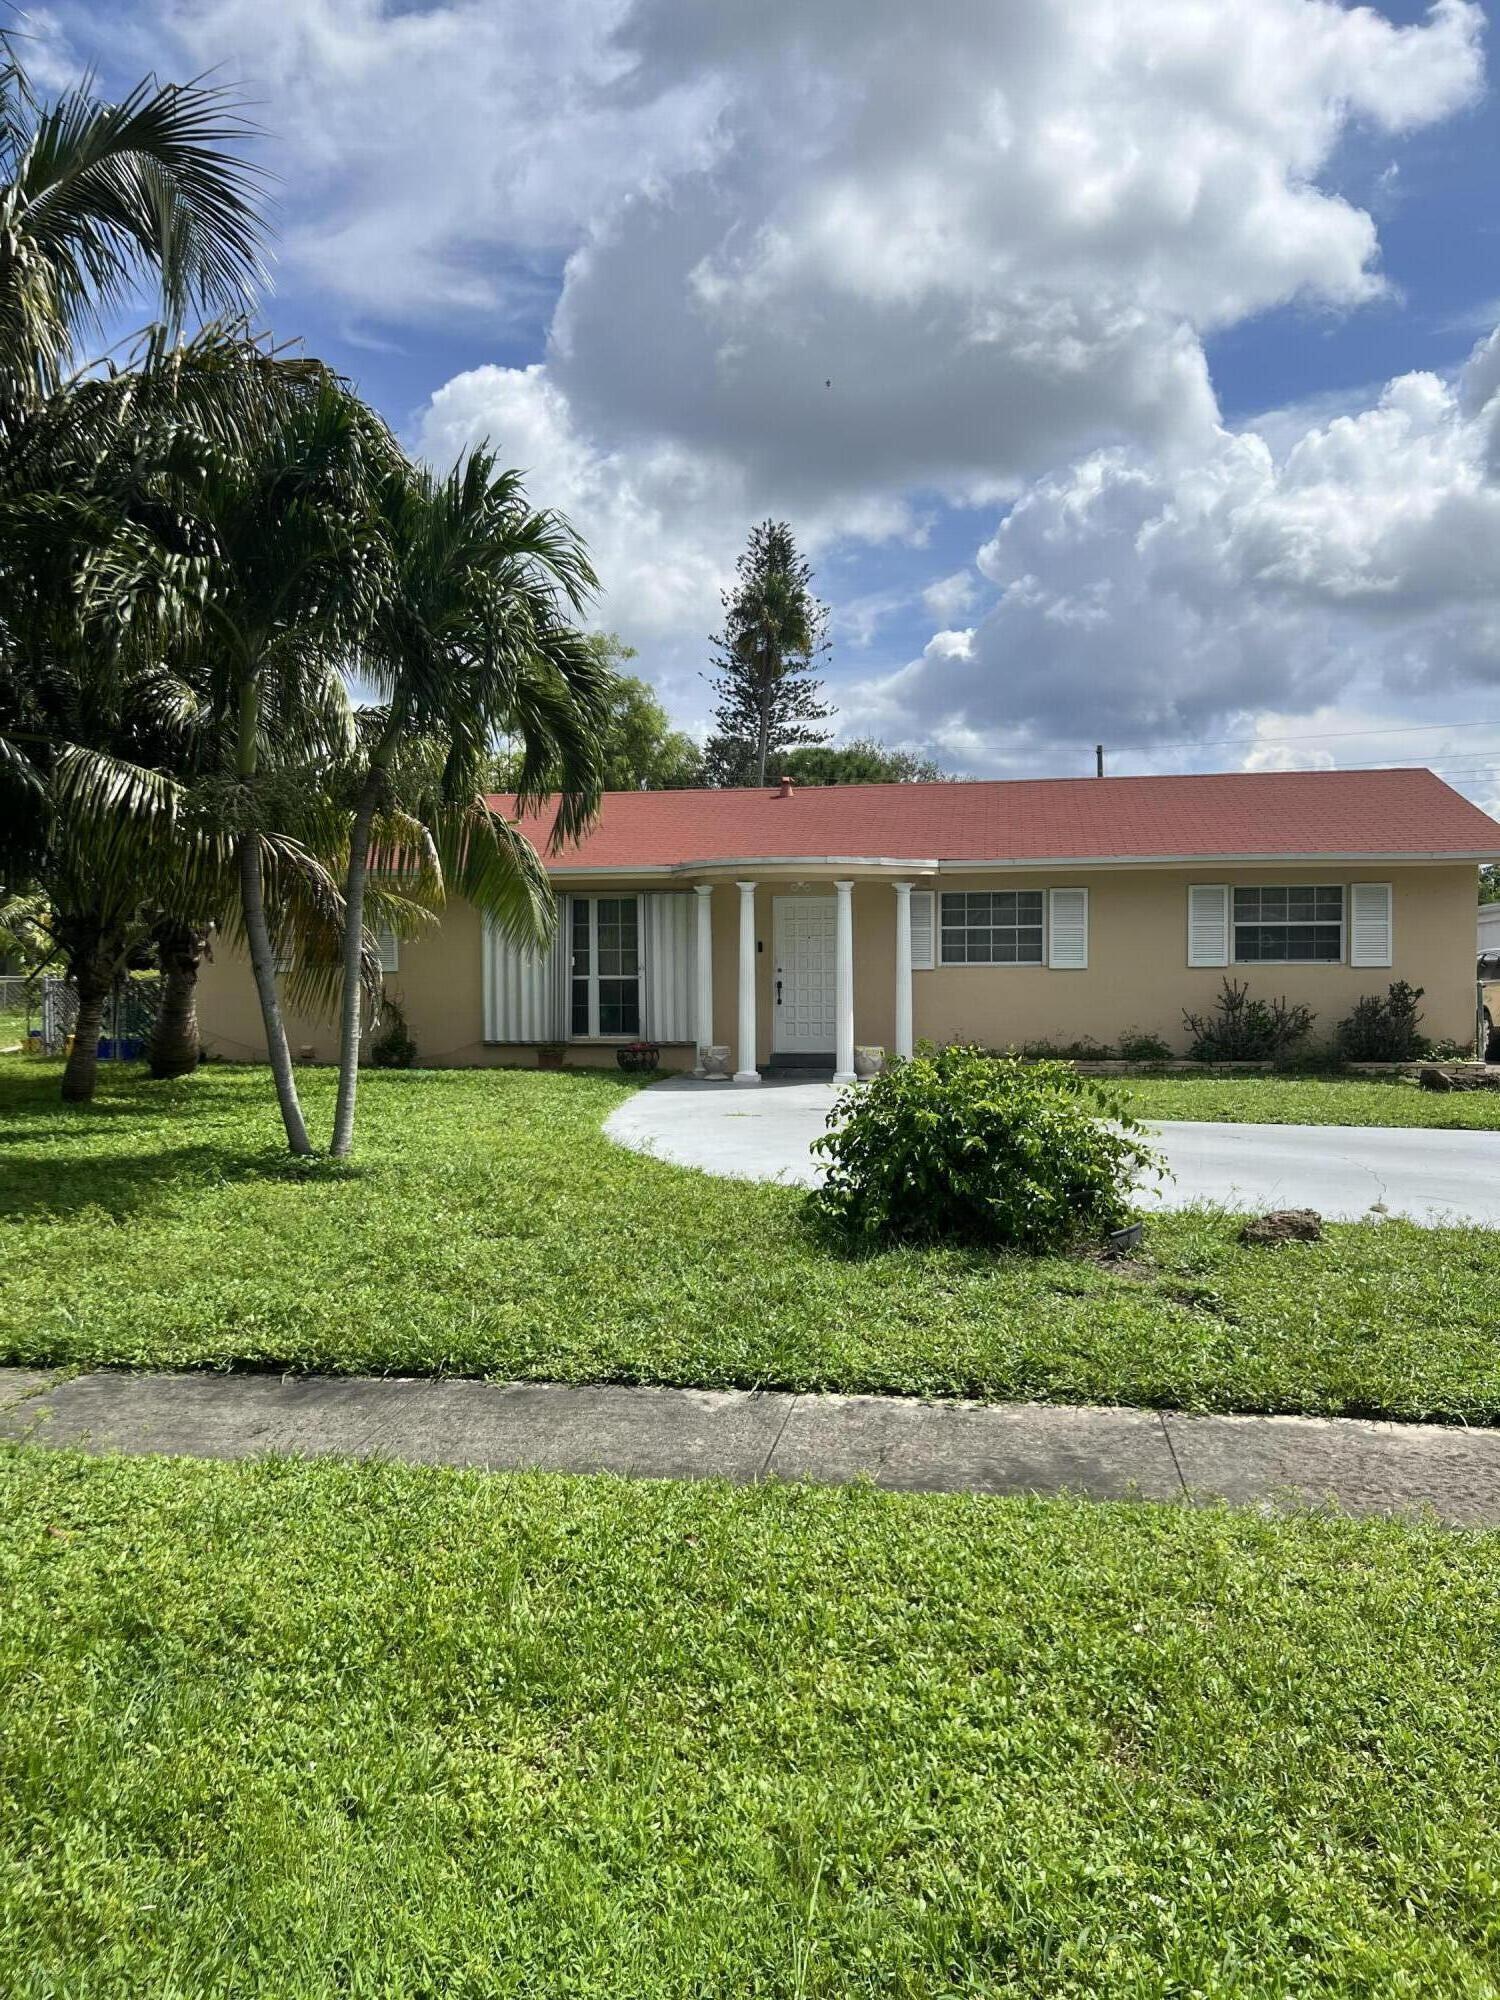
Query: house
[{"x": 791, "y": 924}]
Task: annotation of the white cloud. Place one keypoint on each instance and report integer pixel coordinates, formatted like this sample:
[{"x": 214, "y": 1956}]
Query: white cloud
[
  {"x": 663, "y": 523},
  {"x": 1152, "y": 604},
  {"x": 835, "y": 265},
  {"x": 950, "y": 595}
]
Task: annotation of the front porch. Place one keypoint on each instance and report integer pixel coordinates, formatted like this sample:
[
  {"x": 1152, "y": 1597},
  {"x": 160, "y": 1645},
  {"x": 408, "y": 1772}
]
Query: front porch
[{"x": 803, "y": 981}]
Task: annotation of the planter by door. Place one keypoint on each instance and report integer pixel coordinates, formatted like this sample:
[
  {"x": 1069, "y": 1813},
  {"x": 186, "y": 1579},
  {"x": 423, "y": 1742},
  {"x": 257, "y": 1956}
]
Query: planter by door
[{"x": 804, "y": 938}]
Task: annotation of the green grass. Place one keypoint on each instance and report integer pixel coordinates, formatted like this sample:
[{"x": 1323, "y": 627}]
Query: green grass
[
  {"x": 489, "y": 1228},
  {"x": 1308, "y": 1100},
  {"x": 314, "y": 1730}
]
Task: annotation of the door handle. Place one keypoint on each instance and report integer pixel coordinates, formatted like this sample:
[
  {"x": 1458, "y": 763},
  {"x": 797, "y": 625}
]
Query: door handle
[{"x": 778, "y": 993}]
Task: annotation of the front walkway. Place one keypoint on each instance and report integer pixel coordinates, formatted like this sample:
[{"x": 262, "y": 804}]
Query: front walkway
[
  {"x": 1102, "y": 1454},
  {"x": 1343, "y": 1171}
]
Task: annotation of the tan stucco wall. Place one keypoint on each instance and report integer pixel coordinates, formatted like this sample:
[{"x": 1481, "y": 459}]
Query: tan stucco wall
[
  {"x": 1137, "y": 977},
  {"x": 439, "y": 988}
]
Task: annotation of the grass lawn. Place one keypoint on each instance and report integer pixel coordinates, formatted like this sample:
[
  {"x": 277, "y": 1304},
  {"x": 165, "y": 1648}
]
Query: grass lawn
[
  {"x": 330, "y": 1729},
  {"x": 1308, "y": 1100},
  {"x": 488, "y": 1228}
]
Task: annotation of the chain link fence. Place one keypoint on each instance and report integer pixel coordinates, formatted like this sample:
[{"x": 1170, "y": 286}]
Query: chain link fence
[{"x": 40, "y": 1014}]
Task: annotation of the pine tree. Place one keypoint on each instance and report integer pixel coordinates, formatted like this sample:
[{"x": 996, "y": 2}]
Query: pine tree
[{"x": 774, "y": 628}]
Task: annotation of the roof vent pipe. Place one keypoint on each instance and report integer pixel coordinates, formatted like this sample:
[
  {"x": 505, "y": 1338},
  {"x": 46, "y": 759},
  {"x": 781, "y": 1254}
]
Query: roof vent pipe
[{"x": 786, "y": 789}]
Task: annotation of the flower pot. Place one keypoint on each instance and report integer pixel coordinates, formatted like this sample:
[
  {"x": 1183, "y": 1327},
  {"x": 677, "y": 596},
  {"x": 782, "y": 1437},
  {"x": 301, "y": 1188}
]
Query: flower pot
[
  {"x": 868, "y": 1062},
  {"x": 638, "y": 1058},
  {"x": 713, "y": 1060}
]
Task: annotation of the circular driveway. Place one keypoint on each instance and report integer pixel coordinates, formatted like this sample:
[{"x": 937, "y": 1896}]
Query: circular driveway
[{"x": 1343, "y": 1171}]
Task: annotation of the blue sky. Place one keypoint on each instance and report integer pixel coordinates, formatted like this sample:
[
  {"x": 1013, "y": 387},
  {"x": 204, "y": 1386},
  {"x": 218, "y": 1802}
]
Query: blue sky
[{"x": 1122, "y": 365}]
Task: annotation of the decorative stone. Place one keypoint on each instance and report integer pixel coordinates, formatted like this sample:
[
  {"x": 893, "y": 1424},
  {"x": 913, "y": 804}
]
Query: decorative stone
[
  {"x": 1486, "y": 1077},
  {"x": 715, "y": 1060},
  {"x": 868, "y": 1062},
  {"x": 1284, "y": 1225}
]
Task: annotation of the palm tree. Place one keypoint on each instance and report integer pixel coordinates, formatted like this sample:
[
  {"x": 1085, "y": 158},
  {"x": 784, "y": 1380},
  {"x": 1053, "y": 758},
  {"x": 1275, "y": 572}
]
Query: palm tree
[
  {"x": 99, "y": 202},
  {"x": 106, "y": 724},
  {"x": 475, "y": 637},
  {"x": 272, "y": 608}
]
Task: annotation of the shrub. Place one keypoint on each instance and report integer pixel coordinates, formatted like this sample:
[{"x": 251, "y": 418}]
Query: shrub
[
  {"x": 1383, "y": 1027},
  {"x": 395, "y": 1048},
  {"x": 1244, "y": 1030},
  {"x": 980, "y": 1149},
  {"x": 1136, "y": 1045}
]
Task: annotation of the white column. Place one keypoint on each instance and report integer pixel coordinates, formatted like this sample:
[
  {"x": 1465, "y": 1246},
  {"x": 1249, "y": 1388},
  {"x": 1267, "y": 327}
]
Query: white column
[
  {"x": 705, "y": 1025},
  {"x": 903, "y": 969},
  {"x": 843, "y": 990},
  {"x": 747, "y": 1072}
]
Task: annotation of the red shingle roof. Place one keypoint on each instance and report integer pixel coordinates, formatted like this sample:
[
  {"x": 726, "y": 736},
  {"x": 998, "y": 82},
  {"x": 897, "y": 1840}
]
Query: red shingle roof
[{"x": 1379, "y": 814}]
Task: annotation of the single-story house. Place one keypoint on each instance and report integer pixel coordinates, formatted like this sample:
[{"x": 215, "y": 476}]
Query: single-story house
[{"x": 792, "y": 924}]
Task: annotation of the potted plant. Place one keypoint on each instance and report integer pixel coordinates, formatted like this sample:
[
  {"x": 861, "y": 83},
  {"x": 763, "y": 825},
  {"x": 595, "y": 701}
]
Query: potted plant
[
  {"x": 638, "y": 1058},
  {"x": 549, "y": 1055}
]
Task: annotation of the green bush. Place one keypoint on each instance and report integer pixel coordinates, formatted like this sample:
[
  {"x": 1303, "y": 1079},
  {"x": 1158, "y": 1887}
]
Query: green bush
[
  {"x": 1383, "y": 1027},
  {"x": 1136, "y": 1045},
  {"x": 979, "y": 1149},
  {"x": 1244, "y": 1030},
  {"x": 396, "y": 1048}
]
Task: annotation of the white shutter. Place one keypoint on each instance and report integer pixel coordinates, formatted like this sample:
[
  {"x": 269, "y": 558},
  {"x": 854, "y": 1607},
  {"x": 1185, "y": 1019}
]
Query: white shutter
[
  {"x": 1208, "y": 924},
  {"x": 1370, "y": 923},
  {"x": 1068, "y": 930},
  {"x": 923, "y": 924},
  {"x": 524, "y": 990},
  {"x": 670, "y": 966},
  {"x": 390, "y": 951}
]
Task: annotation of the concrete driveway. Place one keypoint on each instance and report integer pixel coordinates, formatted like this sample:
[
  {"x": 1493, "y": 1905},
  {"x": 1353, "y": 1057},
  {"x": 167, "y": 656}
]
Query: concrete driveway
[{"x": 1343, "y": 1171}]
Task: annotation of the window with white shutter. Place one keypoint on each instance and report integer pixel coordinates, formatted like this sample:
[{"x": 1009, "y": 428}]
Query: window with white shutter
[
  {"x": 1370, "y": 923},
  {"x": 923, "y": 902},
  {"x": 1208, "y": 923},
  {"x": 390, "y": 951},
  {"x": 1068, "y": 929}
]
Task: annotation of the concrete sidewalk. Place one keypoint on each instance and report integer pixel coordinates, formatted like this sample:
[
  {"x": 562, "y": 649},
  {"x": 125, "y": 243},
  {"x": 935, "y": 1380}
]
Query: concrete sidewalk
[{"x": 1103, "y": 1454}]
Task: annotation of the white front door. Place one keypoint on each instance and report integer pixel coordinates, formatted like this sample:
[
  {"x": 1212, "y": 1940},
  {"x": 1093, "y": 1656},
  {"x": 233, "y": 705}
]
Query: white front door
[{"x": 804, "y": 938}]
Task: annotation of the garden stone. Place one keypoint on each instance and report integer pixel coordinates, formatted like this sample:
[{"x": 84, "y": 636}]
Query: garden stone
[
  {"x": 1284, "y": 1225},
  {"x": 1431, "y": 1077}
]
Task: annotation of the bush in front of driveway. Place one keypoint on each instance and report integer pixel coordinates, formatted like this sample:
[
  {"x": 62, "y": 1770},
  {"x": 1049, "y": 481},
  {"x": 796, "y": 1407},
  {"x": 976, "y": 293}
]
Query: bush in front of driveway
[{"x": 980, "y": 1149}]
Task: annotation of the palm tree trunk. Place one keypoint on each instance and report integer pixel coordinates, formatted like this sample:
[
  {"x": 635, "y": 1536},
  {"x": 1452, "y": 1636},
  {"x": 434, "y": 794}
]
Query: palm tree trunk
[
  {"x": 175, "y": 1049},
  {"x": 81, "y": 1072},
  {"x": 263, "y": 964},
  {"x": 354, "y": 931},
  {"x": 354, "y": 923}
]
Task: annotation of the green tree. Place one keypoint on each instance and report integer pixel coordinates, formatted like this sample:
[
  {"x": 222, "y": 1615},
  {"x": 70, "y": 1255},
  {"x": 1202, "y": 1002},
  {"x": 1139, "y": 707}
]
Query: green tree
[
  {"x": 474, "y": 635},
  {"x": 289, "y": 574},
  {"x": 1489, "y": 882},
  {"x": 861, "y": 762},
  {"x": 639, "y": 749},
  {"x": 774, "y": 629},
  {"x": 99, "y": 202}
]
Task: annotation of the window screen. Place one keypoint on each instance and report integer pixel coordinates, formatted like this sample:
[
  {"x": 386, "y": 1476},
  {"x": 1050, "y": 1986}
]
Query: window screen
[
  {"x": 992, "y": 927},
  {"x": 1289, "y": 926}
]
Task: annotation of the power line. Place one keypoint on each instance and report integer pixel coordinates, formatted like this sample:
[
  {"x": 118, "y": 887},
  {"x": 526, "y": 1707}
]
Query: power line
[{"x": 1313, "y": 735}]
